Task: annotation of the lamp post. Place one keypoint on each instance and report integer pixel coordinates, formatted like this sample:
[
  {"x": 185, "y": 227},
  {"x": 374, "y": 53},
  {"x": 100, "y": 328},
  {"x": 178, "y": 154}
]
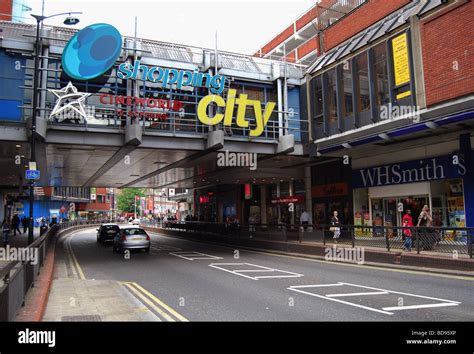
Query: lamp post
[{"x": 39, "y": 19}]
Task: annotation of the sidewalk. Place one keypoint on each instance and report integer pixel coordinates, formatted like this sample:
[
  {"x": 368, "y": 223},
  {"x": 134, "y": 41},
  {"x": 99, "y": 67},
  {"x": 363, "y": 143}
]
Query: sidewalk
[{"x": 73, "y": 298}]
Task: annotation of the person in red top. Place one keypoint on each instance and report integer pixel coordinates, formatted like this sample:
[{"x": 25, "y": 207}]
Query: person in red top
[{"x": 407, "y": 221}]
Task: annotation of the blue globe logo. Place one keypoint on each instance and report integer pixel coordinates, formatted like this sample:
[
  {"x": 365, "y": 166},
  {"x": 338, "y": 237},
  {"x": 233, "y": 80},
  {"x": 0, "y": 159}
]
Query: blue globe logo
[{"x": 91, "y": 51}]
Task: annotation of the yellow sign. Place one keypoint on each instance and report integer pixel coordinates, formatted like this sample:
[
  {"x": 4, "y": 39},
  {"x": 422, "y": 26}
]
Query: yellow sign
[
  {"x": 401, "y": 65},
  {"x": 403, "y": 94},
  {"x": 261, "y": 118}
]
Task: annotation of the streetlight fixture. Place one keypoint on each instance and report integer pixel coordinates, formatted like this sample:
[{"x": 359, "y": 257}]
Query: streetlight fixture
[{"x": 70, "y": 20}]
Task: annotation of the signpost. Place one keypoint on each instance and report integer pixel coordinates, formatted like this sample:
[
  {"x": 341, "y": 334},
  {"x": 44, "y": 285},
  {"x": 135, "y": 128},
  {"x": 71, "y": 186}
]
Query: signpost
[{"x": 32, "y": 174}]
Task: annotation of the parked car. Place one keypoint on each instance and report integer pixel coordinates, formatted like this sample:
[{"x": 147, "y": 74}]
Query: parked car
[
  {"x": 131, "y": 237},
  {"x": 134, "y": 221},
  {"x": 107, "y": 232}
]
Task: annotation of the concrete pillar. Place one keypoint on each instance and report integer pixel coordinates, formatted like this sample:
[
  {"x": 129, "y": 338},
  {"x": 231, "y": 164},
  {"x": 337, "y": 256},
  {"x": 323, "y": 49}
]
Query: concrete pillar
[
  {"x": 278, "y": 205},
  {"x": 291, "y": 191},
  {"x": 308, "y": 198},
  {"x": 263, "y": 204}
]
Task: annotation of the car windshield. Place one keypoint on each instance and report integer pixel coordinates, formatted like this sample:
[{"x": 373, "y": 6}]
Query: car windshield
[
  {"x": 111, "y": 228},
  {"x": 134, "y": 232}
]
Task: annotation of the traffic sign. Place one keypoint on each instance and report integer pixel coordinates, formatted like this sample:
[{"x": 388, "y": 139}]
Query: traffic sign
[{"x": 32, "y": 174}]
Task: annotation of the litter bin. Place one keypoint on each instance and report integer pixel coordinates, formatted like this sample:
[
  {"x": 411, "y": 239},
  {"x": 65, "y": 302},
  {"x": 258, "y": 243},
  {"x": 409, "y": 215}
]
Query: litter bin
[{"x": 43, "y": 230}]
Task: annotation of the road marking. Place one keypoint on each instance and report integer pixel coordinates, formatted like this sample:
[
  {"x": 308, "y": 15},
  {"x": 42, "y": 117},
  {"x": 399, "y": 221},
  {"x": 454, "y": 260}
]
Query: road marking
[
  {"x": 73, "y": 258},
  {"x": 157, "y": 302},
  {"x": 359, "y": 294},
  {"x": 166, "y": 248},
  {"x": 262, "y": 269},
  {"x": 191, "y": 255},
  {"x": 275, "y": 253},
  {"x": 341, "y": 301},
  {"x": 398, "y": 308},
  {"x": 150, "y": 303},
  {"x": 384, "y": 310}
]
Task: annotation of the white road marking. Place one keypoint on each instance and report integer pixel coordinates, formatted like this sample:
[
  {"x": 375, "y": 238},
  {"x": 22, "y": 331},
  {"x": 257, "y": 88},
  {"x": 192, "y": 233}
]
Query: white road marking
[
  {"x": 341, "y": 301},
  {"x": 384, "y": 310},
  {"x": 262, "y": 269},
  {"x": 166, "y": 248},
  {"x": 359, "y": 294},
  {"x": 398, "y": 308},
  {"x": 191, "y": 255}
]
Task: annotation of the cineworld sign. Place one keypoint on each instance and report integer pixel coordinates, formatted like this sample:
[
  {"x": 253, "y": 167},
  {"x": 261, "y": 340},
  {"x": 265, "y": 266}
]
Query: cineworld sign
[
  {"x": 93, "y": 51},
  {"x": 424, "y": 170}
]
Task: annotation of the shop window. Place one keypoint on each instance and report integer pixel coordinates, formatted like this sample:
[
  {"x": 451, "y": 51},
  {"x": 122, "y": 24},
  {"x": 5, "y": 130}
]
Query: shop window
[
  {"x": 331, "y": 99},
  {"x": 317, "y": 106},
  {"x": 362, "y": 89},
  {"x": 346, "y": 91},
  {"x": 381, "y": 75}
]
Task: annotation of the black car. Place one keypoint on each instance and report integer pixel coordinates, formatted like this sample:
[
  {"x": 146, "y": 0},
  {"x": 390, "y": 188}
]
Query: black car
[{"x": 107, "y": 232}]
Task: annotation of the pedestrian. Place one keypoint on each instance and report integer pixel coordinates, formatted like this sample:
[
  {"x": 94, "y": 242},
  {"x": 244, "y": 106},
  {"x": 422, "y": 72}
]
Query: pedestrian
[
  {"x": 425, "y": 219},
  {"x": 6, "y": 230},
  {"x": 252, "y": 222},
  {"x": 304, "y": 219},
  {"x": 24, "y": 223},
  {"x": 16, "y": 224},
  {"x": 407, "y": 221},
  {"x": 335, "y": 226}
]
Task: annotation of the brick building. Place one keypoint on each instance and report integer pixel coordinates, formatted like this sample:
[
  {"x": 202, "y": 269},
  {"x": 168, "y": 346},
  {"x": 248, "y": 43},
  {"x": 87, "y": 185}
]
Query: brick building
[{"x": 390, "y": 101}]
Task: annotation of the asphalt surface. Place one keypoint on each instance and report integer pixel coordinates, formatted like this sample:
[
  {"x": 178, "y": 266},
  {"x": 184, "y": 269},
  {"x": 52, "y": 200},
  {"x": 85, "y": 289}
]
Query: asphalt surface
[{"x": 227, "y": 284}]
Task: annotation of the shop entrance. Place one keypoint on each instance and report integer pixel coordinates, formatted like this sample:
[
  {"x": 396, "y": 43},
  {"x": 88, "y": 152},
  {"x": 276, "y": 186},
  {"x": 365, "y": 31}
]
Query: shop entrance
[{"x": 389, "y": 211}]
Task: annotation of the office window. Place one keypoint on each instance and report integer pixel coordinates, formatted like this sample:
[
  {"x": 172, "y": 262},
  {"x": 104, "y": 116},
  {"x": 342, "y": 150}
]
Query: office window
[
  {"x": 332, "y": 96},
  {"x": 317, "y": 104},
  {"x": 362, "y": 82},
  {"x": 381, "y": 74},
  {"x": 347, "y": 108}
]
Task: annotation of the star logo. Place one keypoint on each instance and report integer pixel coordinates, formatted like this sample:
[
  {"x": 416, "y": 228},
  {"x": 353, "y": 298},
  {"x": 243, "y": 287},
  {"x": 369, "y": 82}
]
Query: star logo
[{"x": 69, "y": 104}]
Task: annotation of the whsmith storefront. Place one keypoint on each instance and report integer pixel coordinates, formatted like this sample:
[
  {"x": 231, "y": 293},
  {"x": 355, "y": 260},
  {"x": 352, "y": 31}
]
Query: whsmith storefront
[{"x": 382, "y": 194}]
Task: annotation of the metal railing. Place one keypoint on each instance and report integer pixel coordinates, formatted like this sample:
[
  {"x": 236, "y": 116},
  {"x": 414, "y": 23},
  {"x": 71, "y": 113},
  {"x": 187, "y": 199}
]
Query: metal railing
[
  {"x": 18, "y": 276},
  {"x": 447, "y": 240}
]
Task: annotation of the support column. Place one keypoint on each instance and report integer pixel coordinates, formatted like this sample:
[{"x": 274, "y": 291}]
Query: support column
[
  {"x": 291, "y": 191},
  {"x": 263, "y": 204},
  {"x": 278, "y": 205},
  {"x": 280, "y": 108},
  {"x": 308, "y": 197}
]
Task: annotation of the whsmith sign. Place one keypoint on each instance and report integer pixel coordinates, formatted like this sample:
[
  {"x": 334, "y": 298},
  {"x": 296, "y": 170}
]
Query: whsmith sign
[
  {"x": 424, "y": 170},
  {"x": 93, "y": 51}
]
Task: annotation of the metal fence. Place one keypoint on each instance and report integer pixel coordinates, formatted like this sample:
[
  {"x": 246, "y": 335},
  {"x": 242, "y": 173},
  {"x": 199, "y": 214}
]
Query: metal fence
[
  {"x": 18, "y": 276},
  {"x": 450, "y": 240}
]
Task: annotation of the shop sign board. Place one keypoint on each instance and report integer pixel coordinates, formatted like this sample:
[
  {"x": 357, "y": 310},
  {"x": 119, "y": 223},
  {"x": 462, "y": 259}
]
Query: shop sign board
[
  {"x": 423, "y": 170},
  {"x": 287, "y": 200}
]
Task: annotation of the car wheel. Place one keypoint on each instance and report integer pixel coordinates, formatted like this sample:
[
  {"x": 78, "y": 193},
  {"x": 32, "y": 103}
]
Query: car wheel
[
  {"x": 114, "y": 249},
  {"x": 147, "y": 250}
]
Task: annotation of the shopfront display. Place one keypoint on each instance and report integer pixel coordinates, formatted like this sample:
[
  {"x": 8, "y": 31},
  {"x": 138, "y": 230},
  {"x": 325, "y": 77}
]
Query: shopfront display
[{"x": 383, "y": 193}]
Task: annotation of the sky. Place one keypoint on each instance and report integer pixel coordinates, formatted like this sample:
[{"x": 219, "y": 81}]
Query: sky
[{"x": 242, "y": 26}]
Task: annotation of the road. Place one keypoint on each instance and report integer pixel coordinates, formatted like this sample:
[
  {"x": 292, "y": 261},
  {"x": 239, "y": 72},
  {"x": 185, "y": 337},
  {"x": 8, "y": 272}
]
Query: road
[{"x": 206, "y": 282}]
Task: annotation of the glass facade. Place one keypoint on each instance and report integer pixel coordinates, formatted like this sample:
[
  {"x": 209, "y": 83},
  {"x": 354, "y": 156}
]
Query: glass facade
[{"x": 357, "y": 92}]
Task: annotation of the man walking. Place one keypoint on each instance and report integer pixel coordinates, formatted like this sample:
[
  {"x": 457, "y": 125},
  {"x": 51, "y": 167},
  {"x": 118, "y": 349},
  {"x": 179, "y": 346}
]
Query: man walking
[
  {"x": 304, "y": 219},
  {"x": 24, "y": 223},
  {"x": 16, "y": 224}
]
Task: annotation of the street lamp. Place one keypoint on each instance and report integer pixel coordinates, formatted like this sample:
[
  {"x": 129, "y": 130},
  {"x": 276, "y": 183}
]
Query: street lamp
[{"x": 70, "y": 20}]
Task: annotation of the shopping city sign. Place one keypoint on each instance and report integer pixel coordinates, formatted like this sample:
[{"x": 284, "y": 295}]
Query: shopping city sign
[{"x": 94, "y": 50}]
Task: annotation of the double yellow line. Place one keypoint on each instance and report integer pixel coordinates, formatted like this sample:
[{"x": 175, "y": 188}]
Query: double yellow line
[
  {"x": 72, "y": 258},
  {"x": 159, "y": 307}
]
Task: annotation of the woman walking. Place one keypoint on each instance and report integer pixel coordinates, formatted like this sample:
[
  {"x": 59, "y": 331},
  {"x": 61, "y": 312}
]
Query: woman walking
[{"x": 335, "y": 226}]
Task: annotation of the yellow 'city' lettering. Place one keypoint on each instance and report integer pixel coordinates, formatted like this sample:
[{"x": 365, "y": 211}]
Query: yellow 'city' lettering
[{"x": 242, "y": 102}]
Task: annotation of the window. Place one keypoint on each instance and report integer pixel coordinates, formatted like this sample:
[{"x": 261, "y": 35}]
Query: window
[
  {"x": 332, "y": 96},
  {"x": 347, "y": 108},
  {"x": 381, "y": 74},
  {"x": 362, "y": 83},
  {"x": 317, "y": 105}
]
